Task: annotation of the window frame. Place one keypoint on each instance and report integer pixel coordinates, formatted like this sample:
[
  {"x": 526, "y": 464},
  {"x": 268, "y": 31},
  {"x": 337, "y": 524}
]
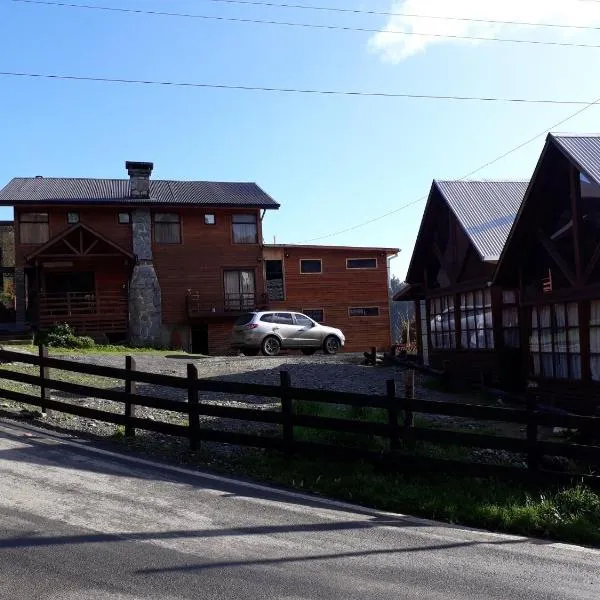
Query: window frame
[
  {"x": 159, "y": 223},
  {"x": 283, "y": 286},
  {"x": 207, "y": 217},
  {"x": 364, "y": 308},
  {"x": 22, "y": 221},
  {"x": 445, "y": 328},
  {"x": 349, "y": 268},
  {"x": 321, "y": 310},
  {"x": 233, "y": 230},
  {"x": 303, "y": 260},
  {"x": 76, "y": 217},
  {"x": 477, "y": 311},
  {"x": 126, "y": 214},
  {"x": 510, "y": 306},
  {"x": 239, "y": 271}
]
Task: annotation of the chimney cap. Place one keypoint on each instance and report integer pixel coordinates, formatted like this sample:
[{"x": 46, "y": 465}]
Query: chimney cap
[{"x": 132, "y": 165}]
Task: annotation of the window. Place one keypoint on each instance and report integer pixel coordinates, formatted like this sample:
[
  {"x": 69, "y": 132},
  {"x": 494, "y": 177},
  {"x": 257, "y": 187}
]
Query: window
[
  {"x": 361, "y": 263},
  {"x": 209, "y": 219},
  {"x": 239, "y": 290},
  {"x": 72, "y": 218},
  {"x": 244, "y": 229},
  {"x": 595, "y": 339},
  {"x": 274, "y": 277},
  {"x": 284, "y": 318},
  {"x": 316, "y": 314},
  {"x": 510, "y": 319},
  {"x": 554, "y": 342},
  {"x": 303, "y": 321},
  {"x": 33, "y": 228},
  {"x": 124, "y": 218},
  {"x": 476, "y": 326},
  {"x": 167, "y": 228},
  {"x": 443, "y": 322},
  {"x": 310, "y": 265},
  {"x": 368, "y": 311}
]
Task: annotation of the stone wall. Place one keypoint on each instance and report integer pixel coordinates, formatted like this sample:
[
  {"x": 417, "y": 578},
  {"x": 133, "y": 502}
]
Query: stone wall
[{"x": 145, "y": 306}]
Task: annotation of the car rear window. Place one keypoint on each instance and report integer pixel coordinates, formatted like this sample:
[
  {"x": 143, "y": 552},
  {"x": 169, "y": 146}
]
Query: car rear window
[{"x": 245, "y": 319}]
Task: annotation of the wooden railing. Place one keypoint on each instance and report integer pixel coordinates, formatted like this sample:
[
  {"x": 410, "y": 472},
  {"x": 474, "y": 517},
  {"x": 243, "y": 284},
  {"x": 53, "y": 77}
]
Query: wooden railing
[
  {"x": 106, "y": 311},
  {"x": 390, "y": 419},
  {"x": 199, "y": 305}
]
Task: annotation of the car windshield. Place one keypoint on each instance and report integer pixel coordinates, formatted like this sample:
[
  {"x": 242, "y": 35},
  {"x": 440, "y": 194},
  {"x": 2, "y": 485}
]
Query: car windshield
[{"x": 245, "y": 319}]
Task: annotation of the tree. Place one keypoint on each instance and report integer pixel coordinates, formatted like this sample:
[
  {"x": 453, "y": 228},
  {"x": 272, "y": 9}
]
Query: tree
[{"x": 402, "y": 315}]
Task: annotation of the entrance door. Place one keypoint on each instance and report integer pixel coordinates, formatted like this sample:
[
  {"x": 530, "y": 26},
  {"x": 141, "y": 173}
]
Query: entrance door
[{"x": 200, "y": 339}]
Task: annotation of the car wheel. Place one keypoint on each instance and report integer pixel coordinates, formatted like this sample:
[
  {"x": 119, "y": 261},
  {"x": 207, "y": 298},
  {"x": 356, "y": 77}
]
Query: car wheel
[
  {"x": 271, "y": 346},
  {"x": 308, "y": 351},
  {"x": 252, "y": 352},
  {"x": 331, "y": 345}
]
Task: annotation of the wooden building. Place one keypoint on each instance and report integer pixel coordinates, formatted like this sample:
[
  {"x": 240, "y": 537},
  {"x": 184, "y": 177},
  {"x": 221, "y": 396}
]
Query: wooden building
[
  {"x": 465, "y": 323},
  {"x": 552, "y": 257},
  {"x": 345, "y": 287},
  {"x": 174, "y": 263}
]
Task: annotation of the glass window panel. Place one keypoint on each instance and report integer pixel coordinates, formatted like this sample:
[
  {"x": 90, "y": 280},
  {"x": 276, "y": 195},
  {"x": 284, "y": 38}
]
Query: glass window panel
[
  {"x": 511, "y": 338},
  {"x": 464, "y": 339},
  {"x": 510, "y": 317},
  {"x": 534, "y": 317},
  {"x": 573, "y": 313},
  {"x": 575, "y": 366},
  {"x": 560, "y": 341},
  {"x": 546, "y": 340},
  {"x": 488, "y": 297},
  {"x": 534, "y": 341},
  {"x": 479, "y": 299},
  {"x": 595, "y": 339},
  {"x": 463, "y": 301},
  {"x": 561, "y": 365},
  {"x": 574, "y": 345},
  {"x": 545, "y": 316},
  {"x": 489, "y": 338},
  {"x": 536, "y": 364},
  {"x": 471, "y": 319},
  {"x": 559, "y": 315},
  {"x": 595, "y": 312},
  {"x": 509, "y": 297},
  {"x": 547, "y": 365},
  {"x": 489, "y": 318},
  {"x": 595, "y": 367}
]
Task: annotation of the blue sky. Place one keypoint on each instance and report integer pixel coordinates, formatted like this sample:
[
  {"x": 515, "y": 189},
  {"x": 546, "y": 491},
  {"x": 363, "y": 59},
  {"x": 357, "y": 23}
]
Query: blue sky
[{"x": 331, "y": 161}]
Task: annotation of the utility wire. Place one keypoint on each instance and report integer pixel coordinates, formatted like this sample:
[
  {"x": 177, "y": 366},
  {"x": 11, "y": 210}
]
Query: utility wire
[
  {"x": 399, "y": 14},
  {"x": 293, "y": 90},
  {"x": 477, "y": 170},
  {"x": 310, "y": 25}
]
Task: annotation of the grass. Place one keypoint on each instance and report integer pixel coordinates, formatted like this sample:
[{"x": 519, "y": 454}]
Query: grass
[
  {"x": 97, "y": 349},
  {"x": 569, "y": 514}
]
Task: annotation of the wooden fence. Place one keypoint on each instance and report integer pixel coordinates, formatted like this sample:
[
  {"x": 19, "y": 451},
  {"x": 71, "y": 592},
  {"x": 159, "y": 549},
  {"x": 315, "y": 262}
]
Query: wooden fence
[{"x": 398, "y": 430}]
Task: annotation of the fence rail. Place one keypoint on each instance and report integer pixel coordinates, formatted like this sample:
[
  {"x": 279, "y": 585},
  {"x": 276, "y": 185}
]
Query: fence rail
[{"x": 395, "y": 424}]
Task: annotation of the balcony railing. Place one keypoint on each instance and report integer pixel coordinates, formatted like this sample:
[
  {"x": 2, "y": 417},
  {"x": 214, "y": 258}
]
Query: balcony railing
[
  {"x": 106, "y": 311},
  {"x": 199, "y": 305}
]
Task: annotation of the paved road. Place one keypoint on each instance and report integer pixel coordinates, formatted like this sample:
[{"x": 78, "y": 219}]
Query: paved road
[{"x": 80, "y": 522}]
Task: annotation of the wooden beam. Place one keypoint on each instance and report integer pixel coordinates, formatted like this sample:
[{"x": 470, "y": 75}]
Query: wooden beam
[
  {"x": 593, "y": 262},
  {"x": 446, "y": 265},
  {"x": 576, "y": 217},
  {"x": 91, "y": 247},
  {"x": 70, "y": 246},
  {"x": 552, "y": 250},
  {"x": 81, "y": 241}
]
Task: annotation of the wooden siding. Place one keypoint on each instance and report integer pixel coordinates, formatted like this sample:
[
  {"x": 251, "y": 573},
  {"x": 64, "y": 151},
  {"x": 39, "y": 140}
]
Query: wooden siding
[{"x": 336, "y": 289}]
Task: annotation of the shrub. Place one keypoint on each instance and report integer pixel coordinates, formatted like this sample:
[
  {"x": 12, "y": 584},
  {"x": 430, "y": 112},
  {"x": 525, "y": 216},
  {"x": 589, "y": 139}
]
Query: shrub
[{"x": 63, "y": 336}]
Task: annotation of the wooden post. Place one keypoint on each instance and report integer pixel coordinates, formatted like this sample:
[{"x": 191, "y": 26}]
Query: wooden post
[
  {"x": 130, "y": 390},
  {"x": 44, "y": 375},
  {"x": 193, "y": 406},
  {"x": 373, "y": 356},
  {"x": 532, "y": 435},
  {"x": 392, "y": 414},
  {"x": 287, "y": 412},
  {"x": 409, "y": 394}
]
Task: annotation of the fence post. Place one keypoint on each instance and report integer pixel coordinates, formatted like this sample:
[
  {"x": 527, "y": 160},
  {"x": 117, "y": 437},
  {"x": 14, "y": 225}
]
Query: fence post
[
  {"x": 392, "y": 414},
  {"x": 44, "y": 375},
  {"x": 193, "y": 406},
  {"x": 287, "y": 412},
  {"x": 532, "y": 435},
  {"x": 130, "y": 390}
]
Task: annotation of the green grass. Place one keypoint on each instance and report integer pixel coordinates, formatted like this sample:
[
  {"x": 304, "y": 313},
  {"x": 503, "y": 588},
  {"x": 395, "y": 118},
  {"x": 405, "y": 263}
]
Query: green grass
[
  {"x": 569, "y": 514},
  {"x": 97, "y": 349}
]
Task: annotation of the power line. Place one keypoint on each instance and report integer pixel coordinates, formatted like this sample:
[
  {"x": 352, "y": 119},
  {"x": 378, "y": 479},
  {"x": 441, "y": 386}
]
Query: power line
[
  {"x": 384, "y": 13},
  {"x": 292, "y": 90},
  {"x": 311, "y": 25},
  {"x": 477, "y": 170}
]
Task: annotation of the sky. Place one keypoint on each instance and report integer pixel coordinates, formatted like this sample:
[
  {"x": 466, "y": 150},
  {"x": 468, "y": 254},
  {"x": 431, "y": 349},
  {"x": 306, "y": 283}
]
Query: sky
[{"x": 333, "y": 162}]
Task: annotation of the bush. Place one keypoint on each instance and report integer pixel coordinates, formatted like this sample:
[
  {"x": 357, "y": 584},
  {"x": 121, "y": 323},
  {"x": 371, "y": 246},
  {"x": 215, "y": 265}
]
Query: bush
[{"x": 63, "y": 336}]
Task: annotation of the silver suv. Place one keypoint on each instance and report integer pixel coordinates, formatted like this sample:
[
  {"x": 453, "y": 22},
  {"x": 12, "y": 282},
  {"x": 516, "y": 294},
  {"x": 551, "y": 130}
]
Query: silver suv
[{"x": 270, "y": 331}]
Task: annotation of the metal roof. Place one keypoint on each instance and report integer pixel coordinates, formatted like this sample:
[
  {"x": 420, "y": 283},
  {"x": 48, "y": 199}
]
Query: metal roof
[
  {"x": 59, "y": 190},
  {"x": 583, "y": 150},
  {"x": 486, "y": 210}
]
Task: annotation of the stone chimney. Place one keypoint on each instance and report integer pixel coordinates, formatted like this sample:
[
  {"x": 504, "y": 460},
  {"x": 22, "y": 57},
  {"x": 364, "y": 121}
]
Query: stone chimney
[{"x": 139, "y": 176}]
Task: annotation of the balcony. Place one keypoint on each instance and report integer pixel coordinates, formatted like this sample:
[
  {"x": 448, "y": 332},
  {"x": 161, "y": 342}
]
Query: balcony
[
  {"x": 92, "y": 313},
  {"x": 229, "y": 305}
]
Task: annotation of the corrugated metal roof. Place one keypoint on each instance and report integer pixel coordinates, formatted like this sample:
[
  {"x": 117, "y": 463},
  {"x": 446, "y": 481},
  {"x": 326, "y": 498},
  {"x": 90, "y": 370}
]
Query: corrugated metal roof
[
  {"x": 486, "y": 210},
  {"x": 31, "y": 190},
  {"x": 584, "y": 151}
]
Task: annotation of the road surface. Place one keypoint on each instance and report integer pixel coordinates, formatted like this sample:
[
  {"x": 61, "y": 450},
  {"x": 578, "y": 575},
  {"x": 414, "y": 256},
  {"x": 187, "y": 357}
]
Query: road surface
[{"x": 77, "y": 521}]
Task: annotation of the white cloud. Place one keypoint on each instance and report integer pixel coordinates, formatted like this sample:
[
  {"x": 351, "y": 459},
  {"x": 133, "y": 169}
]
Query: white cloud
[{"x": 395, "y": 48}]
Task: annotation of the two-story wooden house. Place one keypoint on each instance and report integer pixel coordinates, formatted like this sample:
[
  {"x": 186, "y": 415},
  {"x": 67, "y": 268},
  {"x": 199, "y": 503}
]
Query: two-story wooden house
[{"x": 175, "y": 262}]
